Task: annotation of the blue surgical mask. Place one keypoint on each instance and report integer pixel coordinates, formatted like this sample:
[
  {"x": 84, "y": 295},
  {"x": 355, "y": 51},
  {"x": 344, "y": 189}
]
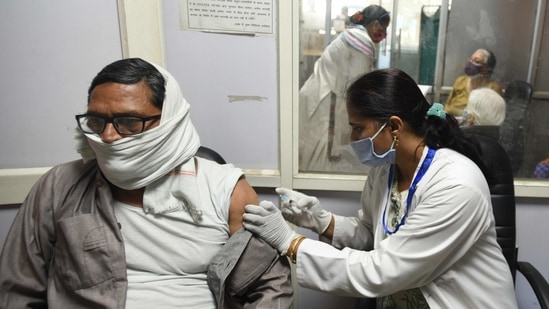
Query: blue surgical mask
[{"x": 364, "y": 150}]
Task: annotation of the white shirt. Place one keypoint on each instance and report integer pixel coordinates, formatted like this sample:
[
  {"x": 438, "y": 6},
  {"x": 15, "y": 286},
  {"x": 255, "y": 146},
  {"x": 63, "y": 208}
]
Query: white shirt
[
  {"x": 447, "y": 246},
  {"x": 168, "y": 252}
]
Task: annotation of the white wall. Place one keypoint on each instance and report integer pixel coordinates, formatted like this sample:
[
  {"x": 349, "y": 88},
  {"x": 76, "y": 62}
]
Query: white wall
[
  {"x": 50, "y": 52},
  {"x": 211, "y": 68},
  {"x": 6, "y": 217}
]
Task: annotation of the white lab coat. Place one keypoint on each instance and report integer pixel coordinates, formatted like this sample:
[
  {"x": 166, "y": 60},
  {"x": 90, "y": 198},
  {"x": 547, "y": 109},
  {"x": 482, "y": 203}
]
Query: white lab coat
[{"x": 447, "y": 246}]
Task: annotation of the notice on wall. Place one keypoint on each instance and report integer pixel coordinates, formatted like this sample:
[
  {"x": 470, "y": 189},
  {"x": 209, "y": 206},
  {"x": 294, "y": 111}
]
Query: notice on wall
[{"x": 252, "y": 17}]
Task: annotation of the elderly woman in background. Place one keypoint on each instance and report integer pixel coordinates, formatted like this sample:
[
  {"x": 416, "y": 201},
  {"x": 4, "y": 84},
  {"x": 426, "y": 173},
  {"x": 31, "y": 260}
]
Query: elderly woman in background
[
  {"x": 485, "y": 108},
  {"x": 478, "y": 74}
]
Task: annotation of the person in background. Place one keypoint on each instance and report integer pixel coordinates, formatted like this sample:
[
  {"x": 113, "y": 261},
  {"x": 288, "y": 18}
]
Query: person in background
[
  {"x": 138, "y": 221},
  {"x": 323, "y": 131},
  {"x": 478, "y": 73},
  {"x": 425, "y": 235},
  {"x": 542, "y": 170},
  {"x": 485, "y": 108}
]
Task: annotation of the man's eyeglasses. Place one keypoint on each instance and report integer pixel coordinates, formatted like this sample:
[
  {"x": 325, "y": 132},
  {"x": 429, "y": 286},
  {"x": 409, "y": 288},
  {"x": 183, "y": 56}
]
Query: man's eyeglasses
[{"x": 124, "y": 125}]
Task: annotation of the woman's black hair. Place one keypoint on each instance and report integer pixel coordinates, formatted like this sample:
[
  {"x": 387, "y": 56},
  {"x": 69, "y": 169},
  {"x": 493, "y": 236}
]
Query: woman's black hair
[
  {"x": 370, "y": 14},
  {"x": 380, "y": 94},
  {"x": 131, "y": 71}
]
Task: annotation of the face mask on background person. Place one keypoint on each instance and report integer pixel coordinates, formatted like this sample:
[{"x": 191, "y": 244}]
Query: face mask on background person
[
  {"x": 364, "y": 149},
  {"x": 379, "y": 36},
  {"x": 462, "y": 120},
  {"x": 472, "y": 69}
]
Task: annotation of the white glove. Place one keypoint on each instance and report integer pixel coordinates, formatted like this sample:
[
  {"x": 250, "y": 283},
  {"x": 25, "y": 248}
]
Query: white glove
[
  {"x": 303, "y": 210},
  {"x": 267, "y": 222}
]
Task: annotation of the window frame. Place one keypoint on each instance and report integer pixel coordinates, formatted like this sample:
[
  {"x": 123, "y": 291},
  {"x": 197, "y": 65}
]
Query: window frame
[{"x": 288, "y": 113}]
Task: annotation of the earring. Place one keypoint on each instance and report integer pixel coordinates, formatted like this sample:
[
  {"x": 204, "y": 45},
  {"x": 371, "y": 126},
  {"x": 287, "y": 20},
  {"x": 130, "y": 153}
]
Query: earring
[{"x": 395, "y": 140}]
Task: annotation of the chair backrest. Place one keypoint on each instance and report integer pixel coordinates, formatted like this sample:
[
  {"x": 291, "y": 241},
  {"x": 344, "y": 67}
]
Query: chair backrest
[
  {"x": 518, "y": 89},
  {"x": 502, "y": 191},
  {"x": 210, "y": 154},
  {"x": 518, "y": 96},
  {"x": 490, "y": 131}
]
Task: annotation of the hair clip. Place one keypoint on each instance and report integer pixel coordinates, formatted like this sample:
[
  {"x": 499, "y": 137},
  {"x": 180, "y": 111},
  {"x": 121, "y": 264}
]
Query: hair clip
[{"x": 437, "y": 109}]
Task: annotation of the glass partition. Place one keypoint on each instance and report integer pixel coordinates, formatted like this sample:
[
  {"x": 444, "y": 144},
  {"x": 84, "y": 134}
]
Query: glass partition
[{"x": 431, "y": 40}]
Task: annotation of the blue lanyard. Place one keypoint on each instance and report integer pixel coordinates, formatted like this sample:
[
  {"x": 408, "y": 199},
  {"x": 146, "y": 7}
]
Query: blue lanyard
[{"x": 424, "y": 166}]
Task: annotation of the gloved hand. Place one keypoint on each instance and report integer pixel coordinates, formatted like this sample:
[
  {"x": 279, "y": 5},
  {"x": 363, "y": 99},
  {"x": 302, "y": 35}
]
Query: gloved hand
[
  {"x": 267, "y": 222},
  {"x": 303, "y": 210}
]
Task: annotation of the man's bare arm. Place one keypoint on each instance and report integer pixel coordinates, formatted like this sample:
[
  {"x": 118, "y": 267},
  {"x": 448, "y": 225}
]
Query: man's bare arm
[{"x": 243, "y": 194}]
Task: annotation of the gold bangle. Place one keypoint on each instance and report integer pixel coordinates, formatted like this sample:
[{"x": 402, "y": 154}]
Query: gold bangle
[
  {"x": 292, "y": 250},
  {"x": 294, "y": 258}
]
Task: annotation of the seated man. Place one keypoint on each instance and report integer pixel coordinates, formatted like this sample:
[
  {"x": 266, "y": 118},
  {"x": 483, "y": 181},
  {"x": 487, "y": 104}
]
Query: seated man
[{"x": 137, "y": 222}]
